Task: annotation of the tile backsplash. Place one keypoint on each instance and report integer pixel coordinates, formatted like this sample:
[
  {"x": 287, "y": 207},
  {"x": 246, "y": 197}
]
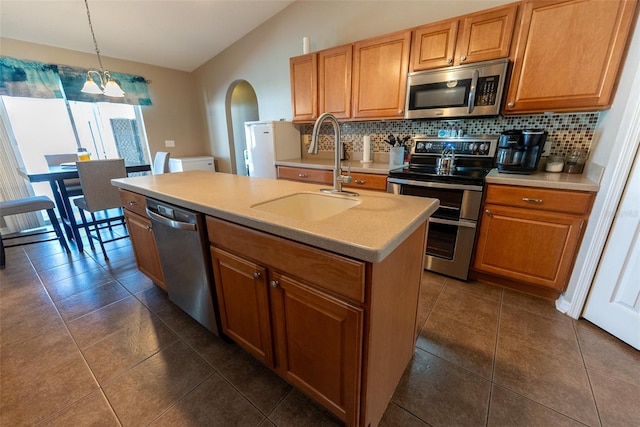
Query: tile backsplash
[{"x": 566, "y": 131}]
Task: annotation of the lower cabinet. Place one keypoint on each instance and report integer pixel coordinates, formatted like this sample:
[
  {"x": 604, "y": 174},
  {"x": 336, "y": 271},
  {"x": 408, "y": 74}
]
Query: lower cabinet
[
  {"x": 365, "y": 181},
  {"x": 301, "y": 311},
  {"x": 529, "y": 237},
  {"x": 141, "y": 234}
]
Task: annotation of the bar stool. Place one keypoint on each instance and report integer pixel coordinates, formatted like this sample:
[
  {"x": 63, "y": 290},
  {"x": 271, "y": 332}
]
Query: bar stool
[{"x": 26, "y": 205}]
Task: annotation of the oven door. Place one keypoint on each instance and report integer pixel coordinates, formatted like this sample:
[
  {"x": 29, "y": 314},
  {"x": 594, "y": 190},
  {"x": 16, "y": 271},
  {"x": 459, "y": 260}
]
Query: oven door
[{"x": 452, "y": 228}]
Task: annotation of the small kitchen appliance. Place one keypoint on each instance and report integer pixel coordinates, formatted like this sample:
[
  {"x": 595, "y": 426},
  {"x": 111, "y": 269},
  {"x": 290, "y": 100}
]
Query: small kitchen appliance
[
  {"x": 452, "y": 170},
  {"x": 462, "y": 91},
  {"x": 519, "y": 150}
]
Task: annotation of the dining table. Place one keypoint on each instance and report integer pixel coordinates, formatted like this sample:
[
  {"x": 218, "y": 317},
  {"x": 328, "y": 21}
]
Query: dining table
[{"x": 55, "y": 176}]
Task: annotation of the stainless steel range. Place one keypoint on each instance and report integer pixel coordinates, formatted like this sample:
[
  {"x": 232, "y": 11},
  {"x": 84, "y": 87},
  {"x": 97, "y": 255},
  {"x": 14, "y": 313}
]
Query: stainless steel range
[{"x": 452, "y": 170}]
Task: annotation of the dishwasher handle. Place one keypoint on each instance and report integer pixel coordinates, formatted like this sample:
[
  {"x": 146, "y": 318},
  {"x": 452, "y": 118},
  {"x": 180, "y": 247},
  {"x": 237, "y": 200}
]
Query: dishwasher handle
[{"x": 170, "y": 222}]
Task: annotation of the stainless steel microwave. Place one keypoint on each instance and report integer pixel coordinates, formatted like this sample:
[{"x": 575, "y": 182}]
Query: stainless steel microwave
[{"x": 466, "y": 90}]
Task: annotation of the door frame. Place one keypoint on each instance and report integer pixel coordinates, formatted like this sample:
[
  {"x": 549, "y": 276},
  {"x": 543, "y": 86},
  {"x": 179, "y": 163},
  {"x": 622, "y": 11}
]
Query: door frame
[{"x": 619, "y": 167}]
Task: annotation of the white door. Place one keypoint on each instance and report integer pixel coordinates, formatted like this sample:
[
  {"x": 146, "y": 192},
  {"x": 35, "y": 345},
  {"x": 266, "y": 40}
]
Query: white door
[{"x": 614, "y": 300}]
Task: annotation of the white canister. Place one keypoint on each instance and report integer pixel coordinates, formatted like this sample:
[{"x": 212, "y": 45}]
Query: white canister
[{"x": 554, "y": 164}]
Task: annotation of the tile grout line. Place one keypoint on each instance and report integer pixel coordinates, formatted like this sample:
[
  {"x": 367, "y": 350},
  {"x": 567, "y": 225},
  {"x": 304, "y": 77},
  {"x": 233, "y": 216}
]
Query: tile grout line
[
  {"x": 584, "y": 364},
  {"x": 495, "y": 357}
]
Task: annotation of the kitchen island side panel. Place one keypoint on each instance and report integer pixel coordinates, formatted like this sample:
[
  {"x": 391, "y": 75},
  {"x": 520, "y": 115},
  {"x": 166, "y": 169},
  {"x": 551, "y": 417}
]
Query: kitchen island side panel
[{"x": 394, "y": 293}]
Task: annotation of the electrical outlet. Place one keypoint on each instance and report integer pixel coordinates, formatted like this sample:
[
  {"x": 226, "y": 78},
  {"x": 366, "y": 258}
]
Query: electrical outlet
[{"x": 169, "y": 143}]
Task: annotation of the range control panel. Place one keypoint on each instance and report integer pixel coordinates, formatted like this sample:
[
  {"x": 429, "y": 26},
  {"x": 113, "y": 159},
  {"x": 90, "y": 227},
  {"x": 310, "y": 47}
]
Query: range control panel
[{"x": 472, "y": 146}]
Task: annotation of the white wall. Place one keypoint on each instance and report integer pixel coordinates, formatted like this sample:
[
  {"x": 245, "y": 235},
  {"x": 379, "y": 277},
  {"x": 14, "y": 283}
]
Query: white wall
[{"x": 262, "y": 57}]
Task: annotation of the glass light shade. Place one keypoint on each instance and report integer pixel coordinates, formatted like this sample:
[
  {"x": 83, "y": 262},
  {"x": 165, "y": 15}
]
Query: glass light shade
[
  {"x": 112, "y": 89},
  {"x": 91, "y": 87}
]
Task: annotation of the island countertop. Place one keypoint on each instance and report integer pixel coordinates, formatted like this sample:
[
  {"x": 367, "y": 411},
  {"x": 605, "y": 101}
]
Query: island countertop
[{"x": 369, "y": 231}]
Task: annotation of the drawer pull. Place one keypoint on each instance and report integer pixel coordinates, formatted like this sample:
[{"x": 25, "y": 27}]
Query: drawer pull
[
  {"x": 360, "y": 181},
  {"x": 488, "y": 212},
  {"x": 275, "y": 284},
  {"x": 530, "y": 200},
  {"x": 302, "y": 175},
  {"x": 132, "y": 203},
  {"x": 256, "y": 275}
]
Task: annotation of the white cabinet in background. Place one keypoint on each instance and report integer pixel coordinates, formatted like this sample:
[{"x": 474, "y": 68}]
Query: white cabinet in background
[{"x": 181, "y": 164}]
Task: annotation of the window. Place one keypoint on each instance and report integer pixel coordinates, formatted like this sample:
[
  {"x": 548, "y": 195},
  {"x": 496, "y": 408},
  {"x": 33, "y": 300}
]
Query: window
[{"x": 106, "y": 130}]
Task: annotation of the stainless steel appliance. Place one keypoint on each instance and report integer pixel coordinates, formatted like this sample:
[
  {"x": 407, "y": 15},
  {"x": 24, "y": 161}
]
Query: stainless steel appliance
[
  {"x": 466, "y": 90},
  {"x": 452, "y": 228},
  {"x": 184, "y": 255},
  {"x": 519, "y": 151}
]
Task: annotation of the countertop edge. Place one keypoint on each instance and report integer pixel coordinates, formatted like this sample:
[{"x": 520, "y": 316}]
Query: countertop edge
[
  {"x": 557, "y": 181},
  {"x": 349, "y": 249}
]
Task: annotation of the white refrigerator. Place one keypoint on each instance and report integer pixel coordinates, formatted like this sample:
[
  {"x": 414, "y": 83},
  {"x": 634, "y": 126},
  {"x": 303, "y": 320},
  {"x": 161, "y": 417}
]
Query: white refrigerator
[{"x": 268, "y": 141}]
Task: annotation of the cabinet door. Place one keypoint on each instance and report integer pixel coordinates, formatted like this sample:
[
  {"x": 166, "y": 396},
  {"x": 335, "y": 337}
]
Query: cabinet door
[
  {"x": 244, "y": 308},
  {"x": 334, "y": 81},
  {"x": 380, "y": 67},
  {"x": 304, "y": 87},
  {"x": 144, "y": 246},
  {"x": 529, "y": 246},
  {"x": 318, "y": 176},
  {"x": 319, "y": 345},
  {"x": 486, "y": 35},
  {"x": 568, "y": 55},
  {"x": 434, "y": 45},
  {"x": 368, "y": 181}
]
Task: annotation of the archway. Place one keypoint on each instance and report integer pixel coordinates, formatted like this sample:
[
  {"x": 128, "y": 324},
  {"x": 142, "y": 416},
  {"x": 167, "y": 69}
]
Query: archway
[{"x": 242, "y": 106}]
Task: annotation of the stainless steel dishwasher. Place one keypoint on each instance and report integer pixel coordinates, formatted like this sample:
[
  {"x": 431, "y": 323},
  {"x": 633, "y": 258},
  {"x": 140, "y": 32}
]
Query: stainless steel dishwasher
[{"x": 184, "y": 255}]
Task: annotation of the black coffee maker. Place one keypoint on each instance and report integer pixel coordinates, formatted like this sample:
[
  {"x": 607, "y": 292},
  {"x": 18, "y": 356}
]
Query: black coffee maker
[{"x": 519, "y": 150}]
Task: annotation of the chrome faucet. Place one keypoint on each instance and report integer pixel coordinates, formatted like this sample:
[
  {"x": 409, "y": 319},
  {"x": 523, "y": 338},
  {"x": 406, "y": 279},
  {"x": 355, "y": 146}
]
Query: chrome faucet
[{"x": 338, "y": 178}]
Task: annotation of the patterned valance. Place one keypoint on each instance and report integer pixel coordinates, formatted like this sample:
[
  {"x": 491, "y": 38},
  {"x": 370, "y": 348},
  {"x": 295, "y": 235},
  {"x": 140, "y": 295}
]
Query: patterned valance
[{"x": 39, "y": 80}]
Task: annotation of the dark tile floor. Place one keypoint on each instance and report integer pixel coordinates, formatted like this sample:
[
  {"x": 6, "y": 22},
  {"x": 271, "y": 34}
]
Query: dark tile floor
[{"x": 89, "y": 342}]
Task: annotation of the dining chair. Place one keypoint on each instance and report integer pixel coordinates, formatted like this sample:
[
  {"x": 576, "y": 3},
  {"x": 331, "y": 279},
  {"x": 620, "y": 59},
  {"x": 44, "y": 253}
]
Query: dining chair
[
  {"x": 100, "y": 196},
  {"x": 161, "y": 163},
  {"x": 73, "y": 186},
  {"x": 26, "y": 205}
]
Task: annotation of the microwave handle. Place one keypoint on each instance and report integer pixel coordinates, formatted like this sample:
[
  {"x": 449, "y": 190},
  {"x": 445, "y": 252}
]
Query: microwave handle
[{"x": 472, "y": 93}]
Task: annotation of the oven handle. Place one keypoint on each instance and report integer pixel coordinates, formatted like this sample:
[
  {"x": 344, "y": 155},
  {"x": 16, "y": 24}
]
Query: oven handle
[
  {"x": 433, "y": 184},
  {"x": 461, "y": 223}
]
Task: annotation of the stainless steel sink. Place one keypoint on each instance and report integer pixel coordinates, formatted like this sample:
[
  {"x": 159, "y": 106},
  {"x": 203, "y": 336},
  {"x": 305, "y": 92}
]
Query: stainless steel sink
[{"x": 308, "y": 206}]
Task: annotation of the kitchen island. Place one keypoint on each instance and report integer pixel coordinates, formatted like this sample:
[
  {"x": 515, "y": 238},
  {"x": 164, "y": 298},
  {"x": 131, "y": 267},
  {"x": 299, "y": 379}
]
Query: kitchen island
[{"x": 330, "y": 305}]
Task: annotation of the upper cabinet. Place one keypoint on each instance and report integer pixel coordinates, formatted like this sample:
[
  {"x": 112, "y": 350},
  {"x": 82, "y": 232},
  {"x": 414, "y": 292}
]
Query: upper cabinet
[
  {"x": 334, "y": 81},
  {"x": 321, "y": 82},
  {"x": 476, "y": 37},
  {"x": 380, "y": 67},
  {"x": 568, "y": 55},
  {"x": 304, "y": 87}
]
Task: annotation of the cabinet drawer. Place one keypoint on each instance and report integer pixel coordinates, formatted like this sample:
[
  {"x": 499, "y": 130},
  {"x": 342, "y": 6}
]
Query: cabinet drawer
[
  {"x": 318, "y": 176},
  {"x": 368, "y": 181},
  {"x": 332, "y": 272},
  {"x": 572, "y": 202},
  {"x": 134, "y": 202}
]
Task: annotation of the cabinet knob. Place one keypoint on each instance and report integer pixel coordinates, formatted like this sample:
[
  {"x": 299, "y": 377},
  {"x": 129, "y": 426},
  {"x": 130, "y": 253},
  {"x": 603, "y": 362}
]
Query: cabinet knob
[
  {"x": 256, "y": 275},
  {"x": 148, "y": 228},
  {"x": 449, "y": 60},
  {"x": 302, "y": 175},
  {"x": 275, "y": 283},
  {"x": 463, "y": 58},
  {"x": 400, "y": 111},
  {"x": 488, "y": 212},
  {"x": 510, "y": 105}
]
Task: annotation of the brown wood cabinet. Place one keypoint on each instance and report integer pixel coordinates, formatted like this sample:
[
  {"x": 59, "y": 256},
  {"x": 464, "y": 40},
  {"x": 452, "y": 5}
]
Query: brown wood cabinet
[
  {"x": 302, "y": 311},
  {"x": 141, "y": 234},
  {"x": 568, "y": 55},
  {"x": 380, "y": 67},
  {"x": 316, "y": 176},
  {"x": 529, "y": 237},
  {"x": 365, "y": 181},
  {"x": 304, "y": 87},
  {"x": 475, "y": 37},
  {"x": 321, "y": 82}
]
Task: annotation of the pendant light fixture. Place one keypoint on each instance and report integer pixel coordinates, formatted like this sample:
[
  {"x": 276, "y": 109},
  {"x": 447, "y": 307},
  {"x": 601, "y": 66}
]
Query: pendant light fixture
[{"x": 107, "y": 86}]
